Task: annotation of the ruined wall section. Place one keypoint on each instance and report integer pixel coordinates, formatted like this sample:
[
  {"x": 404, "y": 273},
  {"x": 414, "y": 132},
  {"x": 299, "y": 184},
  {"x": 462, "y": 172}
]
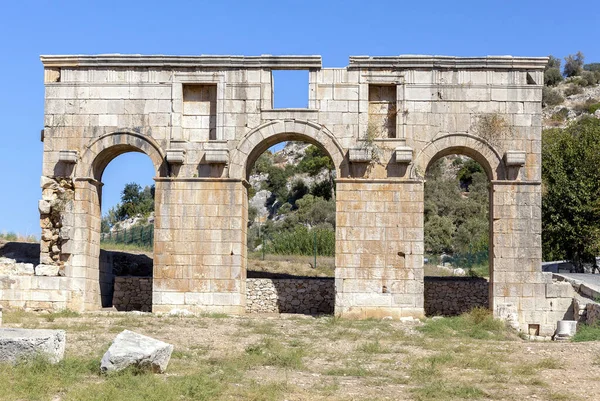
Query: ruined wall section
[{"x": 190, "y": 114}]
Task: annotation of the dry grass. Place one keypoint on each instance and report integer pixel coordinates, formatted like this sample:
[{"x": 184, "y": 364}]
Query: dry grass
[
  {"x": 220, "y": 357},
  {"x": 292, "y": 265}
]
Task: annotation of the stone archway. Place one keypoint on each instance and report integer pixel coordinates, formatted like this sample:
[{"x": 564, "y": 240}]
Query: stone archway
[
  {"x": 466, "y": 144},
  {"x": 89, "y": 264},
  {"x": 487, "y": 157},
  {"x": 254, "y": 143},
  {"x": 243, "y": 158},
  {"x": 104, "y": 149}
]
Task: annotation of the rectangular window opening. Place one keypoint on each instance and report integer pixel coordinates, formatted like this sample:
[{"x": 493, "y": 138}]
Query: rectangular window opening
[
  {"x": 290, "y": 89},
  {"x": 199, "y": 120},
  {"x": 382, "y": 112}
]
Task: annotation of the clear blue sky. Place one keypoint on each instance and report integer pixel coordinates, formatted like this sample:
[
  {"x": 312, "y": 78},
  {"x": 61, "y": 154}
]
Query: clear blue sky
[{"x": 333, "y": 29}]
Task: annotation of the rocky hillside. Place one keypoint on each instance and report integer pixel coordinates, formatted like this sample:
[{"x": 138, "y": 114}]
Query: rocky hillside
[
  {"x": 296, "y": 166},
  {"x": 569, "y": 101}
]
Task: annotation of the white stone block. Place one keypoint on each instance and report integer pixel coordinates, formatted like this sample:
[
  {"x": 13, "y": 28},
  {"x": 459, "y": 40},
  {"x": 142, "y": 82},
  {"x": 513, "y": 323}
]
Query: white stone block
[
  {"x": 404, "y": 154},
  {"x": 46, "y": 270},
  {"x": 175, "y": 156},
  {"x": 515, "y": 158}
]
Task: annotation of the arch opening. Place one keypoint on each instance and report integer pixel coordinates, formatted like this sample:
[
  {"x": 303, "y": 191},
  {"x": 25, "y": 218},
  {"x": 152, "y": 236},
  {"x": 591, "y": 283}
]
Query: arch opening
[
  {"x": 126, "y": 207},
  {"x": 121, "y": 215},
  {"x": 457, "y": 233},
  {"x": 291, "y": 226}
]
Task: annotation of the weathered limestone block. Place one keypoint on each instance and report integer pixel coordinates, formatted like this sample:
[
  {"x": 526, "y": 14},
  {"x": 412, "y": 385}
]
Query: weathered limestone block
[
  {"x": 46, "y": 270},
  {"x": 17, "y": 344},
  {"x": 12, "y": 267},
  {"x": 130, "y": 348}
]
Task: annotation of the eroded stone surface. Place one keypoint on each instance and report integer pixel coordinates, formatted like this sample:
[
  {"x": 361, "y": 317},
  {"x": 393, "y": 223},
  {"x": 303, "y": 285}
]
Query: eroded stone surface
[{"x": 18, "y": 344}]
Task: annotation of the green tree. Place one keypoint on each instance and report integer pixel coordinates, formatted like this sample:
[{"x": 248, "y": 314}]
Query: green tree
[
  {"x": 314, "y": 161},
  {"x": 552, "y": 75},
  {"x": 571, "y": 192},
  {"x": 277, "y": 183},
  {"x": 553, "y": 62},
  {"x": 573, "y": 64},
  {"x": 456, "y": 221},
  {"x": 592, "y": 67},
  {"x": 313, "y": 211}
]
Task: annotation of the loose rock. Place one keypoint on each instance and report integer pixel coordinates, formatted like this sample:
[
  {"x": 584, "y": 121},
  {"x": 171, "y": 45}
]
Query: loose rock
[
  {"x": 18, "y": 344},
  {"x": 133, "y": 349}
]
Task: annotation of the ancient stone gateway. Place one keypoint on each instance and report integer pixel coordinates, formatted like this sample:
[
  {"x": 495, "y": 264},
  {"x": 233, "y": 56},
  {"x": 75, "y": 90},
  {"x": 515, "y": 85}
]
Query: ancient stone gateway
[{"x": 204, "y": 120}]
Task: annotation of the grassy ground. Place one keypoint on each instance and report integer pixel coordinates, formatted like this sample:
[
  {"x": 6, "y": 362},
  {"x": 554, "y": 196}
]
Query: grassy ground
[{"x": 217, "y": 357}]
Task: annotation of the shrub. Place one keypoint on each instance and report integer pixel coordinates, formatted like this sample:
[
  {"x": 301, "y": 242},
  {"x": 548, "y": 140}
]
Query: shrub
[
  {"x": 560, "y": 115},
  {"x": 301, "y": 241},
  {"x": 551, "y": 97},
  {"x": 552, "y": 76},
  {"x": 592, "y": 78},
  {"x": 573, "y": 89},
  {"x": 593, "y": 107},
  {"x": 587, "y": 333},
  {"x": 584, "y": 107}
]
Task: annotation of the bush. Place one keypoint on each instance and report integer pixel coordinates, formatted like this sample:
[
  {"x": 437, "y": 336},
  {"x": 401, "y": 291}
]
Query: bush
[
  {"x": 552, "y": 76},
  {"x": 560, "y": 115},
  {"x": 551, "y": 97},
  {"x": 590, "y": 77},
  {"x": 584, "y": 107},
  {"x": 301, "y": 241},
  {"x": 593, "y": 107},
  {"x": 573, "y": 89},
  {"x": 587, "y": 333}
]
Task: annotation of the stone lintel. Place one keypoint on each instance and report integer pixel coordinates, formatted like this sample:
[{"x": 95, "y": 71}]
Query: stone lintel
[
  {"x": 449, "y": 62},
  {"x": 289, "y": 114},
  {"x": 509, "y": 182},
  {"x": 204, "y": 61},
  {"x": 378, "y": 181}
]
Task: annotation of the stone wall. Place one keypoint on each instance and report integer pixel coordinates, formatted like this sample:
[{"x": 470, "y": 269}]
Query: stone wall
[
  {"x": 133, "y": 293},
  {"x": 450, "y": 296},
  {"x": 307, "y": 296},
  {"x": 203, "y": 121}
]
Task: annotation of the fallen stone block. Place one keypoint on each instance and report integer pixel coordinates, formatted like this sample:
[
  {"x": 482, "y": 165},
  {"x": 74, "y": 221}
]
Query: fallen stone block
[
  {"x": 18, "y": 344},
  {"x": 133, "y": 349}
]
